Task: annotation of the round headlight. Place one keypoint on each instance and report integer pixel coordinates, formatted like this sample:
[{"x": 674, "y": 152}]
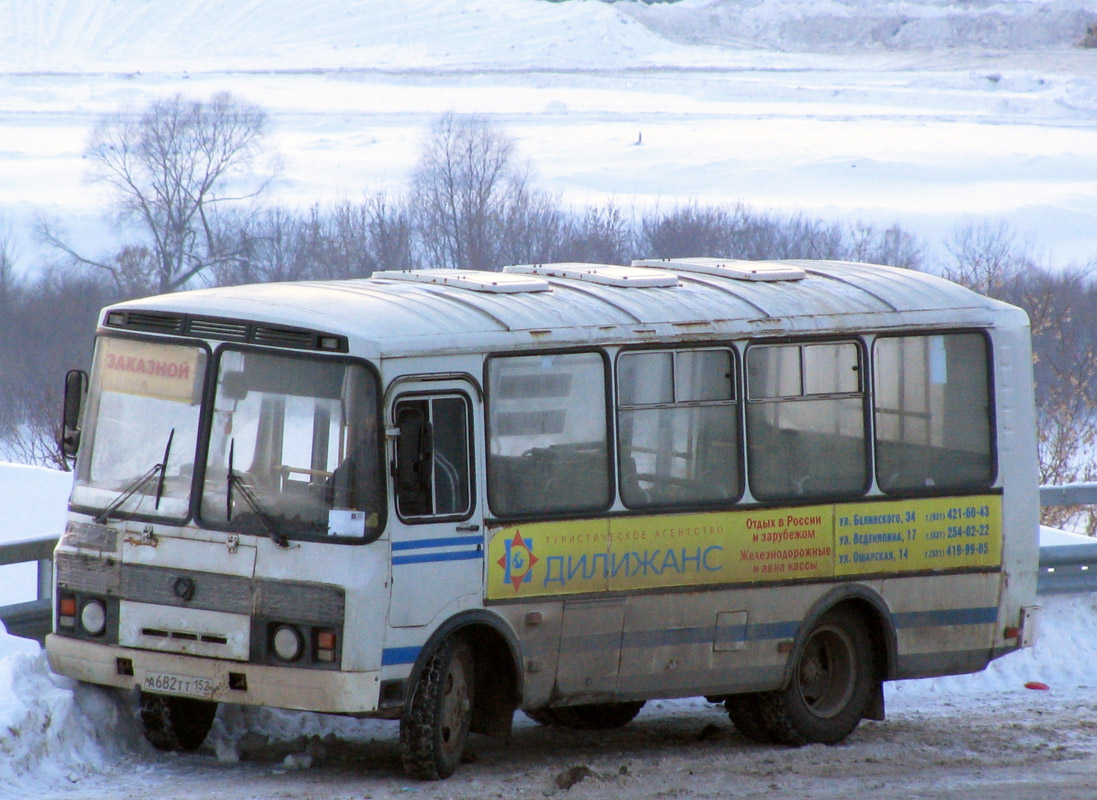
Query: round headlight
[
  {"x": 287, "y": 642},
  {"x": 93, "y": 617}
]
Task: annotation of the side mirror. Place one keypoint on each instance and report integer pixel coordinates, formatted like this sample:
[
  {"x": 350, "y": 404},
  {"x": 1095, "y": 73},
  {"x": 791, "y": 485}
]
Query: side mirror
[{"x": 76, "y": 389}]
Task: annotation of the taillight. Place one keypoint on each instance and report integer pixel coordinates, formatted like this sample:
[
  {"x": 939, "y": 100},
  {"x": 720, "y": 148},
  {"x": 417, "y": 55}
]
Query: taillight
[
  {"x": 66, "y": 611},
  {"x": 325, "y": 645}
]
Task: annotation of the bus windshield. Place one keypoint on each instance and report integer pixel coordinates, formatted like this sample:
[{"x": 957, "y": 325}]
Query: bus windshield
[
  {"x": 294, "y": 449},
  {"x": 141, "y": 429}
]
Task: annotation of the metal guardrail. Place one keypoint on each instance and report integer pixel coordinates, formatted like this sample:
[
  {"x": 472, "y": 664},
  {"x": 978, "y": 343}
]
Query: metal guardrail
[
  {"x": 31, "y": 620},
  {"x": 1068, "y": 568},
  {"x": 1063, "y": 568}
]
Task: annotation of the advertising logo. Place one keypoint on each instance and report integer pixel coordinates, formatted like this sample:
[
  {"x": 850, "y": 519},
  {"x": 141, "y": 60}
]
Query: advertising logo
[{"x": 518, "y": 560}]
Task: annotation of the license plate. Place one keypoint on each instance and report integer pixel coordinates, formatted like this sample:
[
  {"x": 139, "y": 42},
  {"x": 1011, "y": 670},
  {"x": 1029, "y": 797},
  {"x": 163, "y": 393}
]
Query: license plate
[{"x": 189, "y": 685}]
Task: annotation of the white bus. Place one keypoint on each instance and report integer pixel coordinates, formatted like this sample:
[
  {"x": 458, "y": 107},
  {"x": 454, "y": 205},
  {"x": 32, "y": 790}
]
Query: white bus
[{"x": 443, "y": 496}]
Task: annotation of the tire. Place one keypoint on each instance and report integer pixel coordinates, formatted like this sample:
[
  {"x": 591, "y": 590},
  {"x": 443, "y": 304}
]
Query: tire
[
  {"x": 542, "y": 716},
  {"x": 832, "y": 684},
  {"x": 435, "y": 725},
  {"x": 176, "y": 723},
  {"x": 746, "y": 715},
  {"x": 591, "y": 717}
]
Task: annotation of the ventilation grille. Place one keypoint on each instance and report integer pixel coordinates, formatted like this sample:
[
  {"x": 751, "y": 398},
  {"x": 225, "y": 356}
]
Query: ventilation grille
[
  {"x": 218, "y": 329},
  {"x": 229, "y": 330},
  {"x": 284, "y": 337},
  {"x": 160, "y": 323}
]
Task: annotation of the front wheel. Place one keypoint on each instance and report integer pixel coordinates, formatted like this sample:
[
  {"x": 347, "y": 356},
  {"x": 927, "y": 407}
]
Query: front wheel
[
  {"x": 435, "y": 725},
  {"x": 176, "y": 723},
  {"x": 832, "y": 684}
]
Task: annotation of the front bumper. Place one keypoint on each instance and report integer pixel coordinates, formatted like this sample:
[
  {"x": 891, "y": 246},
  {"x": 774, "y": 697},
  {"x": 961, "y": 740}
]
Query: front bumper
[{"x": 325, "y": 691}]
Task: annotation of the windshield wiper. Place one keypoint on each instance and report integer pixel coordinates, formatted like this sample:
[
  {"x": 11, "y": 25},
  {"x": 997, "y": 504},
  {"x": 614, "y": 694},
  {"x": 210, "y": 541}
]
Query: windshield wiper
[
  {"x": 235, "y": 481},
  {"x": 140, "y": 483}
]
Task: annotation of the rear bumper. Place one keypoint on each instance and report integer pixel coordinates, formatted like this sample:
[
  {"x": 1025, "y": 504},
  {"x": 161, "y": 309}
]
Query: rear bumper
[{"x": 222, "y": 681}]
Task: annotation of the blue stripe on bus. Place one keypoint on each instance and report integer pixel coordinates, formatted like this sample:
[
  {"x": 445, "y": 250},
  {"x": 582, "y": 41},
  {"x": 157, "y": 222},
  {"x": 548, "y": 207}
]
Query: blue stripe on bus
[
  {"x": 947, "y": 616},
  {"x": 450, "y": 541},
  {"x": 425, "y": 558},
  {"x": 391, "y": 656},
  {"x": 707, "y": 634},
  {"x": 765, "y": 631}
]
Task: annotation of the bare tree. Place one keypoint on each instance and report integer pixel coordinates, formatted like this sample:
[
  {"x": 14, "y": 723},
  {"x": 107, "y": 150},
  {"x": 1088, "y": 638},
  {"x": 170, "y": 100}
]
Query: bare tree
[
  {"x": 348, "y": 240},
  {"x": 602, "y": 234},
  {"x": 37, "y": 346},
  {"x": 986, "y": 255},
  {"x": 462, "y": 190},
  {"x": 990, "y": 258},
  {"x": 689, "y": 230},
  {"x": 893, "y": 246},
  {"x": 171, "y": 168}
]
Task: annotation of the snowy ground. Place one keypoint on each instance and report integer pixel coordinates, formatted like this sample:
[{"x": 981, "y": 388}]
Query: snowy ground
[
  {"x": 973, "y": 736},
  {"x": 917, "y": 111},
  {"x": 923, "y": 112},
  {"x": 977, "y": 736}
]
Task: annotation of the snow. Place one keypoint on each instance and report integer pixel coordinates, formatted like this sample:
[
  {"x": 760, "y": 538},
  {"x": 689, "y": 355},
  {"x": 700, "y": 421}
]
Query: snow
[
  {"x": 56, "y": 735},
  {"x": 34, "y": 502},
  {"x": 923, "y": 112}
]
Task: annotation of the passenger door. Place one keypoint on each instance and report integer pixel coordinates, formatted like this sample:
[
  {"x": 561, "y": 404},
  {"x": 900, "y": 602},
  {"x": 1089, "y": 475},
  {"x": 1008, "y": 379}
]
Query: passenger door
[{"x": 437, "y": 534}]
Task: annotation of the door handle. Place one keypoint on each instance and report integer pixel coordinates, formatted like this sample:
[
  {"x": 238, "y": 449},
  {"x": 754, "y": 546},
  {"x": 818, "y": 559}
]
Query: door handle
[{"x": 468, "y": 528}]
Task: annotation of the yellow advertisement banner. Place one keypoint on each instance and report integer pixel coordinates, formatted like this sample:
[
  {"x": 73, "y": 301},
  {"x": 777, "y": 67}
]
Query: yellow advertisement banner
[
  {"x": 754, "y": 545},
  {"x": 943, "y": 533}
]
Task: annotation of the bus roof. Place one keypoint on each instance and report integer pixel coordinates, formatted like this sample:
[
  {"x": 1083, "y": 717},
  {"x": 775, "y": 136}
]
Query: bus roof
[{"x": 560, "y": 305}]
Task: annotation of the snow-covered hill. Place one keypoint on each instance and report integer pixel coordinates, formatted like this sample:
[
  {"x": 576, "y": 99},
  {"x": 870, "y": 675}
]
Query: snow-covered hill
[
  {"x": 52, "y": 36},
  {"x": 924, "y": 112}
]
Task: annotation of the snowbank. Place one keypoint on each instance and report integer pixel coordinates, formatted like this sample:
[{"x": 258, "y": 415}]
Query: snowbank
[
  {"x": 53, "y": 731},
  {"x": 34, "y": 501}
]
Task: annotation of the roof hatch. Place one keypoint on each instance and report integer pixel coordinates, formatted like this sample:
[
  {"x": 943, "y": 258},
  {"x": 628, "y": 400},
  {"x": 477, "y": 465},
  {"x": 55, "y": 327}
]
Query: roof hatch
[
  {"x": 604, "y": 274},
  {"x": 474, "y": 280},
  {"x": 737, "y": 270}
]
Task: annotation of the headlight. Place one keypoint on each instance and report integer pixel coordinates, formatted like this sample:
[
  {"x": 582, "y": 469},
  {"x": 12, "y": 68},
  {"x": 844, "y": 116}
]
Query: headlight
[
  {"x": 286, "y": 643},
  {"x": 93, "y": 617}
]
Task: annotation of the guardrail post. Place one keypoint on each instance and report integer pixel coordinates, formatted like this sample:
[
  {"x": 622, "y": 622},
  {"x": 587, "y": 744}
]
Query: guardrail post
[{"x": 45, "y": 578}]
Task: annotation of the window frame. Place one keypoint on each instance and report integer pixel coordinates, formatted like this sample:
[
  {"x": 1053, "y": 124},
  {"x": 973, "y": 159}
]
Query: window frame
[
  {"x": 736, "y": 402},
  {"x": 608, "y": 399},
  {"x": 201, "y": 443},
  {"x": 867, "y": 413},
  {"x": 470, "y": 457},
  {"x": 206, "y": 429},
  {"x": 992, "y": 410}
]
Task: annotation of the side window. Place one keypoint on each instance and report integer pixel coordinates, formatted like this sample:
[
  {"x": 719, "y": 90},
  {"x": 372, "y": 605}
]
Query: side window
[
  {"x": 677, "y": 436},
  {"x": 805, "y": 420},
  {"x": 547, "y": 449},
  {"x": 933, "y": 412},
  {"x": 433, "y": 467}
]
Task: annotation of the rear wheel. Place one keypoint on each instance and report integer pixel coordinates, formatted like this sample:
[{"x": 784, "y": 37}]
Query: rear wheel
[
  {"x": 176, "y": 723},
  {"x": 435, "y": 726},
  {"x": 745, "y": 713},
  {"x": 593, "y": 716},
  {"x": 832, "y": 684}
]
